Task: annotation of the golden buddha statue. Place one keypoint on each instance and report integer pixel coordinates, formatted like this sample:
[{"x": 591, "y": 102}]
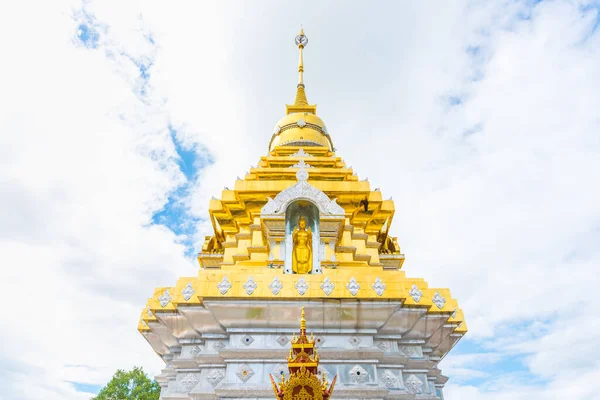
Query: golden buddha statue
[{"x": 302, "y": 251}]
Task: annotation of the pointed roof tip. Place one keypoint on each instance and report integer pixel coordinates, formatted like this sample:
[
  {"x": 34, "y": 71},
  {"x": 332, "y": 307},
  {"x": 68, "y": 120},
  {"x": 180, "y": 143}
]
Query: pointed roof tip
[
  {"x": 301, "y": 102},
  {"x": 303, "y": 321}
]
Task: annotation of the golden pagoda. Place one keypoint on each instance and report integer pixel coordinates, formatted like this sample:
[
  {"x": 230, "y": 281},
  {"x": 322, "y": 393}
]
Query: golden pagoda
[
  {"x": 301, "y": 229},
  {"x": 303, "y": 363}
]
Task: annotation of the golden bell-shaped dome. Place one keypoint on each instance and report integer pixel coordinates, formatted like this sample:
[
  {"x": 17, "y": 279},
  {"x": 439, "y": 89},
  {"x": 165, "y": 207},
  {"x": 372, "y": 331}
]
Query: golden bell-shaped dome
[
  {"x": 300, "y": 129},
  {"x": 301, "y": 126}
]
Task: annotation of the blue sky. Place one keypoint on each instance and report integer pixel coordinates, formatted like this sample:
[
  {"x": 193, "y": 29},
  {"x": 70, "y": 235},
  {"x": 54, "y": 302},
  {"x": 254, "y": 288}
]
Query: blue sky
[{"x": 121, "y": 121}]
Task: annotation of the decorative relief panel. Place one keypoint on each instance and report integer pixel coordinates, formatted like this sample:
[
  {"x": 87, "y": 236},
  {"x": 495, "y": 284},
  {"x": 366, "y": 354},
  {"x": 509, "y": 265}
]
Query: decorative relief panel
[
  {"x": 438, "y": 300},
  {"x": 413, "y": 385},
  {"x": 250, "y": 286},
  {"x": 379, "y": 287},
  {"x": 415, "y": 293},
  {"x": 276, "y": 286},
  {"x": 189, "y": 381},
  {"x": 218, "y": 346},
  {"x": 247, "y": 340},
  {"x": 195, "y": 351},
  {"x": 245, "y": 373},
  {"x": 215, "y": 377},
  {"x": 384, "y": 346},
  {"x": 301, "y": 286},
  {"x": 327, "y": 286},
  {"x": 283, "y": 340},
  {"x": 165, "y": 298},
  {"x": 188, "y": 292},
  {"x": 353, "y": 286},
  {"x": 224, "y": 285},
  {"x": 358, "y": 374},
  {"x": 389, "y": 379}
]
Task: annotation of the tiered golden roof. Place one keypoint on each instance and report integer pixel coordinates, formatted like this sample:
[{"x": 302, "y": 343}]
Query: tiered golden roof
[{"x": 359, "y": 260}]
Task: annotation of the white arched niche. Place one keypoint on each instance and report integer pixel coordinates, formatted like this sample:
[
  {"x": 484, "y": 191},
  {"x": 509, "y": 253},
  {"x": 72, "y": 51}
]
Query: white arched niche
[{"x": 280, "y": 215}]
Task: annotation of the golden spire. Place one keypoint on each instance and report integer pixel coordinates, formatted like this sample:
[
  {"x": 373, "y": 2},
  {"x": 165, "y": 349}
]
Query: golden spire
[
  {"x": 301, "y": 42},
  {"x": 303, "y": 323}
]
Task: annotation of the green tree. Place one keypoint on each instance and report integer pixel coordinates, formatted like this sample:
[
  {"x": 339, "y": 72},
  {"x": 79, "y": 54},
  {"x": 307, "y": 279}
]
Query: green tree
[{"x": 130, "y": 385}]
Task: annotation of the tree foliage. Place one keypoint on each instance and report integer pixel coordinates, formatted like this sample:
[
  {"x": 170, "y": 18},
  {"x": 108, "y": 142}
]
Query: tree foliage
[{"x": 130, "y": 385}]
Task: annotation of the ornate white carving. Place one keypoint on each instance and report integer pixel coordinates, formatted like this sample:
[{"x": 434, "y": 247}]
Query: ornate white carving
[
  {"x": 327, "y": 286},
  {"x": 301, "y": 123},
  {"x": 245, "y": 373},
  {"x": 276, "y": 286},
  {"x": 378, "y": 287},
  {"x": 165, "y": 298},
  {"x": 250, "y": 286},
  {"x": 353, "y": 286},
  {"x": 301, "y": 164},
  {"x": 224, "y": 285},
  {"x": 438, "y": 300},
  {"x": 189, "y": 381},
  {"x": 301, "y": 286},
  {"x": 150, "y": 315},
  {"x": 195, "y": 351},
  {"x": 302, "y": 190},
  {"x": 415, "y": 293},
  {"x": 358, "y": 374},
  {"x": 215, "y": 377},
  {"x": 144, "y": 324},
  {"x": 218, "y": 346},
  {"x": 301, "y": 153},
  {"x": 389, "y": 379},
  {"x": 413, "y": 385},
  {"x": 409, "y": 351},
  {"x": 188, "y": 291},
  {"x": 247, "y": 340},
  {"x": 384, "y": 346},
  {"x": 354, "y": 341},
  {"x": 282, "y": 340}
]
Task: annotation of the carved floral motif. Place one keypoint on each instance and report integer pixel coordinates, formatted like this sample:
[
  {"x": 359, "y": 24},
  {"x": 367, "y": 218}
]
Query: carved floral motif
[
  {"x": 327, "y": 286},
  {"x": 415, "y": 293},
  {"x": 438, "y": 300},
  {"x": 389, "y": 379},
  {"x": 188, "y": 291},
  {"x": 244, "y": 372},
  {"x": 189, "y": 381},
  {"x": 276, "y": 286},
  {"x": 379, "y": 287},
  {"x": 413, "y": 385},
  {"x": 301, "y": 286},
  {"x": 215, "y": 377},
  {"x": 353, "y": 286},
  {"x": 165, "y": 298},
  {"x": 358, "y": 374},
  {"x": 250, "y": 286},
  {"x": 224, "y": 285}
]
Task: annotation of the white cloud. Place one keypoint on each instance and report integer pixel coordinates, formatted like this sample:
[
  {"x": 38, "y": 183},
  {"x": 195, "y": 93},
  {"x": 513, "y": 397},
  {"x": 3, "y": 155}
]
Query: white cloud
[{"x": 485, "y": 115}]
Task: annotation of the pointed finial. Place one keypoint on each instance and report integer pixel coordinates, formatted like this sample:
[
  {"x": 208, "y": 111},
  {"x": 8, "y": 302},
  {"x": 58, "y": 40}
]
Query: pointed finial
[
  {"x": 303, "y": 323},
  {"x": 301, "y": 42}
]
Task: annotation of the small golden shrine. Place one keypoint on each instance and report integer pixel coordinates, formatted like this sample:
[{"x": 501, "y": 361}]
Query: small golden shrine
[{"x": 303, "y": 364}]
